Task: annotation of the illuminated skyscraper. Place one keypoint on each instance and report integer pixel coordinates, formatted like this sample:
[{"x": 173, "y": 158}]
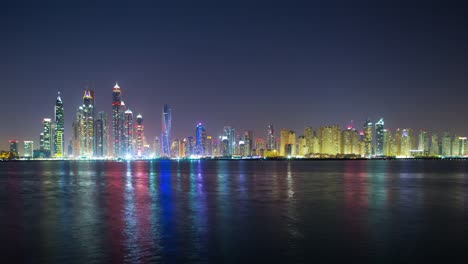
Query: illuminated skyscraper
[
  {"x": 209, "y": 146},
  {"x": 379, "y": 137},
  {"x": 456, "y": 146},
  {"x": 435, "y": 146},
  {"x": 406, "y": 142},
  {"x": 87, "y": 124},
  {"x": 117, "y": 121},
  {"x": 309, "y": 138},
  {"x": 166, "y": 130},
  {"x": 260, "y": 146},
  {"x": 14, "y": 147},
  {"x": 330, "y": 140},
  {"x": 287, "y": 143},
  {"x": 271, "y": 142},
  {"x": 302, "y": 148},
  {"x": 59, "y": 128},
  {"x": 101, "y": 137},
  {"x": 140, "y": 136},
  {"x": 28, "y": 149},
  {"x": 189, "y": 146},
  {"x": 446, "y": 144},
  {"x": 128, "y": 133},
  {"x": 368, "y": 138},
  {"x": 200, "y": 139},
  {"x": 230, "y": 134},
  {"x": 156, "y": 147},
  {"x": 248, "y": 143},
  {"x": 175, "y": 148},
  {"x": 46, "y": 142},
  {"x": 346, "y": 141},
  {"x": 423, "y": 142}
]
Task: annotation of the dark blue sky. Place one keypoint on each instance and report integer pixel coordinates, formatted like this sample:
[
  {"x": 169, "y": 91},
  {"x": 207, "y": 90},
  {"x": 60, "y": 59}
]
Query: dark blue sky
[{"x": 244, "y": 67}]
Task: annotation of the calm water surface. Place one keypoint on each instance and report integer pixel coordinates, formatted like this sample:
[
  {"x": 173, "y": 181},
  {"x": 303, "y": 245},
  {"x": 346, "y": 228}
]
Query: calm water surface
[{"x": 234, "y": 211}]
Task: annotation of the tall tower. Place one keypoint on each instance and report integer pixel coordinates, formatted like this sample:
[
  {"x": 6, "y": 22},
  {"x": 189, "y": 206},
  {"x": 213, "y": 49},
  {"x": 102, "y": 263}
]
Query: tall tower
[
  {"x": 156, "y": 147},
  {"x": 379, "y": 137},
  {"x": 117, "y": 121},
  {"x": 368, "y": 138},
  {"x": 271, "y": 138},
  {"x": 46, "y": 135},
  {"x": 128, "y": 133},
  {"x": 87, "y": 124},
  {"x": 166, "y": 131},
  {"x": 200, "y": 140},
  {"x": 101, "y": 135},
  {"x": 140, "y": 137},
  {"x": 59, "y": 144}
]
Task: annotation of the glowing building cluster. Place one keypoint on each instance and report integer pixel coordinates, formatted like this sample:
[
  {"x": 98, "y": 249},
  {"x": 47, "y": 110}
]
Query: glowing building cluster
[{"x": 123, "y": 137}]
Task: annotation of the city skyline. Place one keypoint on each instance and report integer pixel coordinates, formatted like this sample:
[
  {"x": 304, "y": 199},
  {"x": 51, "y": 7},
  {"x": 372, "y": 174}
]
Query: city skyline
[{"x": 235, "y": 70}]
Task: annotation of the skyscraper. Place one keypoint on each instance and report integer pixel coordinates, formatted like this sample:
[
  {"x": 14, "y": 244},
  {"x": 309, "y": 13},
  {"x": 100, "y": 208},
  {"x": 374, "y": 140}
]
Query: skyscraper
[
  {"x": 87, "y": 124},
  {"x": 423, "y": 142},
  {"x": 379, "y": 137},
  {"x": 28, "y": 149},
  {"x": 287, "y": 143},
  {"x": 46, "y": 142},
  {"x": 368, "y": 138},
  {"x": 140, "y": 137},
  {"x": 271, "y": 143},
  {"x": 14, "y": 147},
  {"x": 230, "y": 135},
  {"x": 330, "y": 140},
  {"x": 101, "y": 135},
  {"x": 128, "y": 133},
  {"x": 117, "y": 121},
  {"x": 435, "y": 147},
  {"x": 59, "y": 128},
  {"x": 166, "y": 131},
  {"x": 200, "y": 140},
  {"x": 446, "y": 144}
]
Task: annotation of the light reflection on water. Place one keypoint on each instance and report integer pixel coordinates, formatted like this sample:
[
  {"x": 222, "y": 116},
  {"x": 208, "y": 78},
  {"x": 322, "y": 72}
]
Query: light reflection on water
[{"x": 233, "y": 211}]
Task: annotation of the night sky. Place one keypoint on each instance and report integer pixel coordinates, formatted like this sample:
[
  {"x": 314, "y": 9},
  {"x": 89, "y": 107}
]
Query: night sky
[{"x": 244, "y": 67}]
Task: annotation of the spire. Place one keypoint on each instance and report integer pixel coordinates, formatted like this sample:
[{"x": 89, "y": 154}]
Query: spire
[
  {"x": 58, "y": 97},
  {"x": 116, "y": 85}
]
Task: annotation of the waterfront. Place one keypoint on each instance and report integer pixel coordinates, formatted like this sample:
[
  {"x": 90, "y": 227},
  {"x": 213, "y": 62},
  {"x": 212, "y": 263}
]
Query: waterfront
[{"x": 234, "y": 211}]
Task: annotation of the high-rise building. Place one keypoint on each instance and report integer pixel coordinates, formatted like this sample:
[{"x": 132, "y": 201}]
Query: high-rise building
[
  {"x": 423, "y": 143},
  {"x": 209, "y": 146},
  {"x": 309, "y": 135},
  {"x": 260, "y": 147},
  {"x": 368, "y": 138},
  {"x": 271, "y": 142},
  {"x": 398, "y": 135},
  {"x": 200, "y": 140},
  {"x": 302, "y": 148},
  {"x": 175, "y": 148},
  {"x": 47, "y": 132},
  {"x": 346, "y": 141},
  {"x": 446, "y": 144},
  {"x": 287, "y": 143},
  {"x": 28, "y": 148},
  {"x": 330, "y": 140},
  {"x": 117, "y": 121},
  {"x": 76, "y": 133},
  {"x": 189, "y": 147},
  {"x": 230, "y": 134},
  {"x": 248, "y": 143},
  {"x": 379, "y": 138},
  {"x": 14, "y": 147},
  {"x": 456, "y": 146},
  {"x": 166, "y": 130},
  {"x": 406, "y": 142},
  {"x": 101, "y": 137},
  {"x": 87, "y": 124},
  {"x": 463, "y": 146},
  {"x": 435, "y": 146},
  {"x": 59, "y": 128},
  {"x": 140, "y": 136},
  {"x": 128, "y": 133}
]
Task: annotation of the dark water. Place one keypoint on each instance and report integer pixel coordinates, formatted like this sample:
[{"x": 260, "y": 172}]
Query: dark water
[{"x": 234, "y": 211}]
